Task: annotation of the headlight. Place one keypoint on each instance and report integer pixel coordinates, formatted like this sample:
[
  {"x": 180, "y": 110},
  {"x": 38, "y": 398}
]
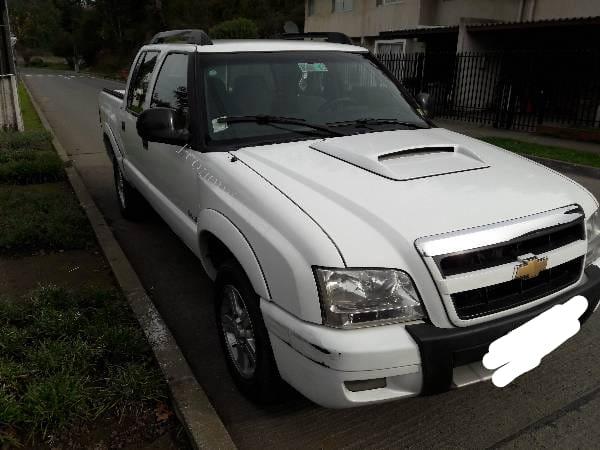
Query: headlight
[
  {"x": 592, "y": 228},
  {"x": 352, "y": 298}
]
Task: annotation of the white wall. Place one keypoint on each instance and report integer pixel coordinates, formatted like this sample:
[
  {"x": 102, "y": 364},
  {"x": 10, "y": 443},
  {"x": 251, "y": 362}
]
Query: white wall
[
  {"x": 449, "y": 12},
  {"x": 551, "y": 9},
  {"x": 366, "y": 19}
]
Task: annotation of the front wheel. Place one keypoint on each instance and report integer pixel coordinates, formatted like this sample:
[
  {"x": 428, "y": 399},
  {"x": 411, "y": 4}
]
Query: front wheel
[
  {"x": 244, "y": 337},
  {"x": 131, "y": 203}
]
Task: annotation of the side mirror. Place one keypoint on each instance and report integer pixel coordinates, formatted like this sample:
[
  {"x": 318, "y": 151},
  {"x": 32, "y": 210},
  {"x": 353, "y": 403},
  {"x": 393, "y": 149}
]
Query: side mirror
[
  {"x": 164, "y": 126},
  {"x": 424, "y": 101}
]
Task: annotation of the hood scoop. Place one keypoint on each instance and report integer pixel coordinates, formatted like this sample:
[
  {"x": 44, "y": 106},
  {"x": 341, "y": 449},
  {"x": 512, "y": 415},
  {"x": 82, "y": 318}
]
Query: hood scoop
[{"x": 401, "y": 155}]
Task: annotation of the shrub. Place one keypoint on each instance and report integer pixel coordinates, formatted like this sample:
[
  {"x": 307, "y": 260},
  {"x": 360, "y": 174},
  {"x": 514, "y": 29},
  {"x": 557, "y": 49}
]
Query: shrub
[
  {"x": 36, "y": 61},
  {"x": 240, "y": 28}
]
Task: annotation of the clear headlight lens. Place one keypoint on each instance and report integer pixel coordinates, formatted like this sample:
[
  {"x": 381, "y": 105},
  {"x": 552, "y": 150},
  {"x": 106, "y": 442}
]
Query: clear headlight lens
[
  {"x": 593, "y": 237},
  {"x": 352, "y": 298}
]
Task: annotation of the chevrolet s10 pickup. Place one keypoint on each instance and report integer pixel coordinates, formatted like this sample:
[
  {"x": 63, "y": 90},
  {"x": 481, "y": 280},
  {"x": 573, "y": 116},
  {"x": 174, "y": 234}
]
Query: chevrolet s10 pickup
[{"x": 360, "y": 253}]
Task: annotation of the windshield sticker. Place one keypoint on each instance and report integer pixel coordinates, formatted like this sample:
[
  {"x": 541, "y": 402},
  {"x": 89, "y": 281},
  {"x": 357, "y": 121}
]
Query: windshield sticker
[
  {"x": 312, "y": 67},
  {"x": 218, "y": 127}
]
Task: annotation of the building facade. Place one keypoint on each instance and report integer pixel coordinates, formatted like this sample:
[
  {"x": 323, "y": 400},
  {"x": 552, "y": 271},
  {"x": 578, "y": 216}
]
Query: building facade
[{"x": 407, "y": 26}]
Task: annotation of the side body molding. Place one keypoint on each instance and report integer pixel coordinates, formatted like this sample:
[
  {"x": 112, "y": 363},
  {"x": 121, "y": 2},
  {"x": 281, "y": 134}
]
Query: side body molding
[{"x": 212, "y": 221}]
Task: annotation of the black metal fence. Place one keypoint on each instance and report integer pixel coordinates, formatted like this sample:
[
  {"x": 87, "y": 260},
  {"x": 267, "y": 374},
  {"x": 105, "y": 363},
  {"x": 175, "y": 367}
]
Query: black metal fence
[{"x": 517, "y": 90}]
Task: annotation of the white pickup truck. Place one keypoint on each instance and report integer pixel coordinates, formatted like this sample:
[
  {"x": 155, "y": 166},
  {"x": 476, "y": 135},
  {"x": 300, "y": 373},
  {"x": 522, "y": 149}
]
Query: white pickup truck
[{"x": 359, "y": 252}]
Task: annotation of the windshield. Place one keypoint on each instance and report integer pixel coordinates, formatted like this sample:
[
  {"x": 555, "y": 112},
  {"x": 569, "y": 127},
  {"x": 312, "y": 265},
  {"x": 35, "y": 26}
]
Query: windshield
[{"x": 332, "y": 89}]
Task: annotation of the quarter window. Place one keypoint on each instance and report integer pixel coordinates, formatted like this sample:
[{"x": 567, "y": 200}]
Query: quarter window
[
  {"x": 171, "y": 89},
  {"x": 140, "y": 82}
]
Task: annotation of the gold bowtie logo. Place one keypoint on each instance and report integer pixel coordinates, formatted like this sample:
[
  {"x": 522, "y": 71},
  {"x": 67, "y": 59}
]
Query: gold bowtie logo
[{"x": 531, "y": 267}]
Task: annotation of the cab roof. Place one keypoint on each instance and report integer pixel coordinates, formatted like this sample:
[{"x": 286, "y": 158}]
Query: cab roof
[{"x": 260, "y": 45}]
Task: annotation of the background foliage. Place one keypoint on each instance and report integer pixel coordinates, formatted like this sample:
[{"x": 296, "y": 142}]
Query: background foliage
[{"x": 109, "y": 32}]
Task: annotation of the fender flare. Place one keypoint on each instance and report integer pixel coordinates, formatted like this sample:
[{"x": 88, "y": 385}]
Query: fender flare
[
  {"x": 219, "y": 225},
  {"x": 117, "y": 155}
]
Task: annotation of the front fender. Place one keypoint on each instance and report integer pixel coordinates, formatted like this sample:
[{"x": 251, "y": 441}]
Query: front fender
[{"x": 214, "y": 222}]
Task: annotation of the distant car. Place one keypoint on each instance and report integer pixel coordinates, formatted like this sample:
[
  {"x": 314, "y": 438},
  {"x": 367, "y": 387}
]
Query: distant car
[{"x": 360, "y": 253}]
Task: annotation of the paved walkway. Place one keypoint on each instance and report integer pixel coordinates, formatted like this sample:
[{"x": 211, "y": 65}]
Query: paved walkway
[{"x": 476, "y": 130}]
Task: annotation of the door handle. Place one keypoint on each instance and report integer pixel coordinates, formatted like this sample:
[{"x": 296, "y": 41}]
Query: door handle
[{"x": 123, "y": 125}]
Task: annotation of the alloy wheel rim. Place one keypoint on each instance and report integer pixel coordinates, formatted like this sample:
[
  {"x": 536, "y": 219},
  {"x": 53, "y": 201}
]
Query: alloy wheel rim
[{"x": 238, "y": 332}]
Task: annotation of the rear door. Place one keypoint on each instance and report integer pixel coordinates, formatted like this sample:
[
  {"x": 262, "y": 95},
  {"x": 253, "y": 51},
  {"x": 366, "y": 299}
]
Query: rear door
[{"x": 134, "y": 105}]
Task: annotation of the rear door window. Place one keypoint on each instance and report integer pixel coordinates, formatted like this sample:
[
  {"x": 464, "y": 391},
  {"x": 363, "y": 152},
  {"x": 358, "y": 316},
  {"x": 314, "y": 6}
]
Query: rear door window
[{"x": 140, "y": 81}]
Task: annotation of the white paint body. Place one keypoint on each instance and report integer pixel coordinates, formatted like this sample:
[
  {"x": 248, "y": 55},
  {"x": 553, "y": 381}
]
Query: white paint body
[{"x": 282, "y": 209}]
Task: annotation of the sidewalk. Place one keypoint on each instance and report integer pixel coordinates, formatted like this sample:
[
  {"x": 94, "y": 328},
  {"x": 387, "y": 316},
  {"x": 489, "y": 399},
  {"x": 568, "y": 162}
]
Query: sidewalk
[{"x": 476, "y": 130}]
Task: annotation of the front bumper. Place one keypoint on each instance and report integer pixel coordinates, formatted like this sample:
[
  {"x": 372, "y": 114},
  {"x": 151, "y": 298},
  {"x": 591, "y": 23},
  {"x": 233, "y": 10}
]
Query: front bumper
[
  {"x": 324, "y": 363},
  {"x": 443, "y": 349}
]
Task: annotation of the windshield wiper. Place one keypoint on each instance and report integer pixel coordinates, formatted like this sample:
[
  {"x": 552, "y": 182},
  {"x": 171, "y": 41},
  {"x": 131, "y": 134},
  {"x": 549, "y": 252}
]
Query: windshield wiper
[
  {"x": 268, "y": 120},
  {"x": 369, "y": 121}
]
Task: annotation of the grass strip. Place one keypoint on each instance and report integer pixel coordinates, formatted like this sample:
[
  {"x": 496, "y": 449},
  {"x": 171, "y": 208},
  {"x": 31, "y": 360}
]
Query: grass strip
[
  {"x": 41, "y": 217},
  {"x": 31, "y": 120},
  {"x": 546, "y": 151},
  {"x": 28, "y": 157},
  {"x": 67, "y": 357}
]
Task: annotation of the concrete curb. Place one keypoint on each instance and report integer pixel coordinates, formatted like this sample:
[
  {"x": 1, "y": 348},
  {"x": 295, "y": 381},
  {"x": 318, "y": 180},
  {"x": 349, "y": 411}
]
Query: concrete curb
[{"x": 202, "y": 424}]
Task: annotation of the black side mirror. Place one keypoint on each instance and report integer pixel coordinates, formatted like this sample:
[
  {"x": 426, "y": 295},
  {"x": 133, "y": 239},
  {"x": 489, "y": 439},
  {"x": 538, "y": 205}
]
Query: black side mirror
[
  {"x": 424, "y": 101},
  {"x": 164, "y": 126}
]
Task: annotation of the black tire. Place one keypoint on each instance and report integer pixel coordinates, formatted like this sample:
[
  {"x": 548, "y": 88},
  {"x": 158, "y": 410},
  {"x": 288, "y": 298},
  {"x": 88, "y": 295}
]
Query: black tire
[
  {"x": 131, "y": 203},
  {"x": 263, "y": 384}
]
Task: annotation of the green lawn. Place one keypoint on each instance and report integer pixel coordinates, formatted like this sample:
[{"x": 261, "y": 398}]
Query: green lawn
[
  {"x": 29, "y": 157},
  {"x": 546, "y": 151},
  {"x": 30, "y": 118},
  {"x": 70, "y": 356},
  {"x": 41, "y": 217}
]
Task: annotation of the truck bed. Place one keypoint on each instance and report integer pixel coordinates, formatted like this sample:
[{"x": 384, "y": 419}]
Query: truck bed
[{"x": 118, "y": 93}]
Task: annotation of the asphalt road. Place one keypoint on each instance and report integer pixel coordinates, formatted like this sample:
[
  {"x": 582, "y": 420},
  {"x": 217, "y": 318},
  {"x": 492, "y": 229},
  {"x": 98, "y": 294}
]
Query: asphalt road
[{"x": 557, "y": 405}]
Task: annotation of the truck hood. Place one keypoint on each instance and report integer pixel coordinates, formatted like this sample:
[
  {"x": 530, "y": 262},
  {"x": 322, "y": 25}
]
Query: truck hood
[{"x": 374, "y": 194}]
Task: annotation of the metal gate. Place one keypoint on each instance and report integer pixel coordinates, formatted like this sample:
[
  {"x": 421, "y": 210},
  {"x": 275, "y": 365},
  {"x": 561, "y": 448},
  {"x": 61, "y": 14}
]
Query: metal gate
[{"x": 517, "y": 90}]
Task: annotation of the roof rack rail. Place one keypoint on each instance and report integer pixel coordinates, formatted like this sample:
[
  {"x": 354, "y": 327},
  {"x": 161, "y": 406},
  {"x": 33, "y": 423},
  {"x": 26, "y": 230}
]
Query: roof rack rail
[
  {"x": 333, "y": 37},
  {"x": 198, "y": 37}
]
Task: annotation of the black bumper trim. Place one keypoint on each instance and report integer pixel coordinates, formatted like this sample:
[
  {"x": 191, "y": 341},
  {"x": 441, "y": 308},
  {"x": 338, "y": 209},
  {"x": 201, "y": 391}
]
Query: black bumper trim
[{"x": 442, "y": 349}]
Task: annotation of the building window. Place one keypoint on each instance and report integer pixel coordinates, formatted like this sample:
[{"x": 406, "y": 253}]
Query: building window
[
  {"x": 391, "y": 48},
  {"x": 388, "y": 2},
  {"x": 311, "y": 7},
  {"x": 342, "y": 5}
]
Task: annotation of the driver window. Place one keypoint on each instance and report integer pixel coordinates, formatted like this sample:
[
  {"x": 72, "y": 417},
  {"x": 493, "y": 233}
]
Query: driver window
[{"x": 171, "y": 88}]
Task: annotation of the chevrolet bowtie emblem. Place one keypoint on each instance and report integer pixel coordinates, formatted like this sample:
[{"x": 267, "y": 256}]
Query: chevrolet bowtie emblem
[{"x": 531, "y": 266}]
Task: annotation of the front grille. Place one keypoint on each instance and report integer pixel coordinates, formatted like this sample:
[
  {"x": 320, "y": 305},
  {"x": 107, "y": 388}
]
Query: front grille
[
  {"x": 503, "y": 296},
  {"x": 537, "y": 242}
]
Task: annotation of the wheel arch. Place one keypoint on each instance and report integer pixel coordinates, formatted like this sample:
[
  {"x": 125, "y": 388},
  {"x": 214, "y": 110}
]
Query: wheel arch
[
  {"x": 219, "y": 239},
  {"x": 111, "y": 145}
]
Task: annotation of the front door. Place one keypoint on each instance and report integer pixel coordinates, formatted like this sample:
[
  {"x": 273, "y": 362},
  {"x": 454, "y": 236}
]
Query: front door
[{"x": 173, "y": 169}]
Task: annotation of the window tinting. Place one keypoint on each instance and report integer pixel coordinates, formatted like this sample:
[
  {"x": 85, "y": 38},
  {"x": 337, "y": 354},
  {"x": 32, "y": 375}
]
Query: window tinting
[
  {"x": 171, "y": 86},
  {"x": 140, "y": 82},
  {"x": 325, "y": 88}
]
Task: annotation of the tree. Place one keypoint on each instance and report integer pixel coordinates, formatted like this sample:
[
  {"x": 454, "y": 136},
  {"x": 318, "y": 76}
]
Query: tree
[
  {"x": 240, "y": 28},
  {"x": 109, "y": 32},
  {"x": 36, "y": 25}
]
